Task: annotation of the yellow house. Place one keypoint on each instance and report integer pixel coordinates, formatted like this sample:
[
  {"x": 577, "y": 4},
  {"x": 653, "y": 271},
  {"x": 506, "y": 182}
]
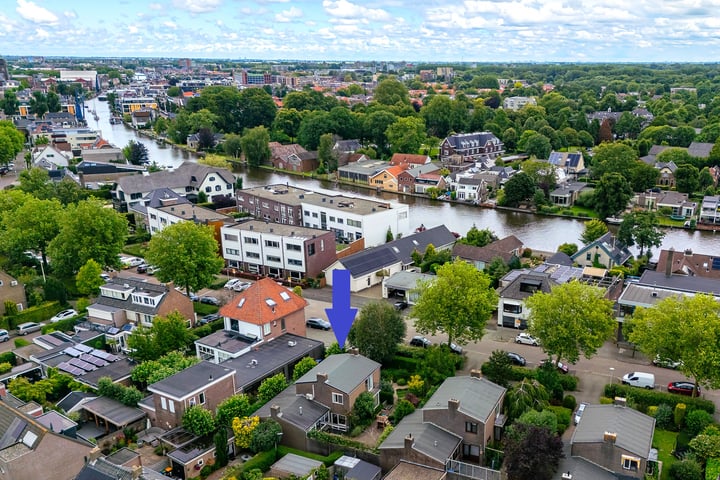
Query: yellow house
[{"x": 387, "y": 179}]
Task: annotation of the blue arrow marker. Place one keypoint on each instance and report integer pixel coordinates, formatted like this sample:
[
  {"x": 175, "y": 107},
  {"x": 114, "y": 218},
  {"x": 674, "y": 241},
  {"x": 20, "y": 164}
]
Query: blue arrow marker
[{"x": 341, "y": 315}]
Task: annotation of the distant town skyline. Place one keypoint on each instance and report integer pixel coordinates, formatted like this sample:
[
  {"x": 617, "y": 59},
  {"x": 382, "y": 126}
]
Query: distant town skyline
[{"x": 373, "y": 30}]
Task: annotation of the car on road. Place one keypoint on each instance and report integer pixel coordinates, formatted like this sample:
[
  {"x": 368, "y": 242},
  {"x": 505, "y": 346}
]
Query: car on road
[
  {"x": 241, "y": 286},
  {"x": 516, "y": 359},
  {"x": 683, "y": 388},
  {"x": 209, "y": 318},
  {"x": 4, "y": 335},
  {"x": 64, "y": 315},
  {"x": 455, "y": 348},
  {"x": 231, "y": 283},
  {"x": 420, "y": 341},
  {"x": 208, "y": 300},
  {"x": 526, "y": 339},
  {"x": 29, "y": 327},
  {"x": 562, "y": 367},
  {"x": 316, "y": 322},
  {"x": 666, "y": 362},
  {"x": 579, "y": 412},
  {"x": 400, "y": 305}
]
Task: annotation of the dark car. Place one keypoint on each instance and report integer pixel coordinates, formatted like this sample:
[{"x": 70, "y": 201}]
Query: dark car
[
  {"x": 315, "y": 322},
  {"x": 516, "y": 359},
  {"x": 142, "y": 268},
  {"x": 683, "y": 388},
  {"x": 401, "y": 305},
  {"x": 420, "y": 341},
  {"x": 209, "y": 318},
  {"x": 210, "y": 300}
]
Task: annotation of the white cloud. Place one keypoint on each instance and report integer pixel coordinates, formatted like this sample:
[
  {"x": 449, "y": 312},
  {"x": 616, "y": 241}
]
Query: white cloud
[
  {"x": 170, "y": 24},
  {"x": 132, "y": 29},
  {"x": 288, "y": 15},
  {"x": 41, "y": 34},
  {"x": 155, "y": 6},
  {"x": 35, "y": 13},
  {"x": 197, "y": 6},
  {"x": 345, "y": 9}
]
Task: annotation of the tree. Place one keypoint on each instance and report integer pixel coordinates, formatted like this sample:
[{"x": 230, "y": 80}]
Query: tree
[
  {"x": 375, "y": 126},
  {"x": 687, "y": 178},
  {"x": 53, "y": 102},
  {"x": 88, "y": 230},
  {"x": 538, "y": 146},
  {"x": 477, "y": 237},
  {"x": 32, "y": 226},
  {"x": 167, "y": 334},
  {"x": 391, "y": 92},
  {"x": 568, "y": 249},
  {"x": 363, "y": 409},
  {"x": 88, "y": 278},
  {"x": 135, "y": 153},
  {"x": 186, "y": 253},
  {"x": 640, "y": 228},
  {"x": 38, "y": 104},
  {"x": 544, "y": 418},
  {"x": 459, "y": 302},
  {"x": 271, "y": 387},
  {"x": 10, "y": 103},
  {"x": 36, "y": 182},
  {"x": 687, "y": 469},
  {"x": 612, "y": 194},
  {"x": 531, "y": 452},
  {"x": 255, "y": 145},
  {"x": 684, "y": 329},
  {"x": 542, "y": 173},
  {"x": 256, "y": 109},
  {"x": 519, "y": 187},
  {"x": 232, "y": 145},
  {"x": 644, "y": 177},
  {"x": 288, "y": 122},
  {"x": 373, "y": 318},
  {"x": 326, "y": 154},
  {"x": 11, "y": 141},
  {"x": 529, "y": 394},
  {"x": 438, "y": 115},
  {"x": 243, "y": 428},
  {"x": 265, "y": 436},
  {"x": 221, "y": 447},
  {"x": 573, "y": 319},
  {"x": 237, "y": 406},
  {"x": 206, "y": 139},
  {"x": 406, "y": 135},
  {"x": 594, "y": 229},
  {"x": 151, "y": 371},
  {"x": 498, "y": 368},
  {"x": 198, "y": 421},
  {"x": 613, "y": 158},
  {"x": 302, "y": 367}
]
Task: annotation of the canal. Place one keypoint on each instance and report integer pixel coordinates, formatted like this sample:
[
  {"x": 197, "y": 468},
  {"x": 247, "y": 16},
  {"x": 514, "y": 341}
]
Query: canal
[{"x": 537, "y": 232}]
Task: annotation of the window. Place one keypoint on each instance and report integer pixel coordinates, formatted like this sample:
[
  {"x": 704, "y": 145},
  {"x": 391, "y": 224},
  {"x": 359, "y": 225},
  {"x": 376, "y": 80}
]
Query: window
[
  {"x": 171, "y": 404},
  {"x": 293, "y": 247},
  {"x": 250, "y": 240},
  {"x": 234, "y": 325},
  {"x": 233, "y": 238},
  {"x": 218, "y": 188},
  {"x": 307, "y": 213},
  {"x": 266, "y": 329},
  {"x": 153, "y": 216},
  {"x": 211, "y": 178},
  {"x": 252, "y": 255},
  {"x": 163, "y": 403},
  {"x": 354, "y": 223},
  {"x": 588, "y": 256},
  {"x": 295, "y": 263},
  {"x": 337, "y": 398},
  {"x": 202, "y": 398},
  {"x": 630, "y": 463},
  {"x": 208, "y": 189},
  {"x": 340, "y": 221},
  {"x": 282, "y": 324},
  {"x": 510, "y": 308},
  {"x": 332, "y": 219},
  {"x": 232, "y": 251},
  {"x": 314, "y": 215},
  {"x": 273, "y": 258},
  {"x": 272, "y": 243},
  {"x": 369, "y": 383},
  {"x": 311, "y": 249},
  {"x": 471, "y": 427}
]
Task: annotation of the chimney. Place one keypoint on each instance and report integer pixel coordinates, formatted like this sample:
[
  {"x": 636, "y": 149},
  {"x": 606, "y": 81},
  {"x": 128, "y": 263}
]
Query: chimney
[
  {"x": 275, "y": 411},
  {"x": 94, "y": 454},
  {"x": 610, "y": 437},
  {"x": 136, "y": 472},
  {"x": 353, "y": 351},
  {"x": 3, "y": 391},
  {"x": 669, "y": 262},
  {"x": 620, "y": 401},
  {"x": 475, "y": 373},
  {"x": 322, "y": 377},
  {"x": 409, "y": 441},
  {"x": 300, "y": 410},
  {"x": 453, "y": 405}
]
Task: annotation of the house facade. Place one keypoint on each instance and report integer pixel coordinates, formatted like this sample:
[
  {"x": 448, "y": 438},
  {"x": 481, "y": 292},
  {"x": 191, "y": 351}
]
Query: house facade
[
  {"x": 604, "y": 251},
  {"x": 163, "y": 216},
  {"x": 710, "y": 209},
  {"x": 470, "y": 147},
  {"x": 387, "y": 178},
  {"x": 337, "y": 381},
  {"x": 277, "y": 250},
  {"x": 11, "y": 291}
]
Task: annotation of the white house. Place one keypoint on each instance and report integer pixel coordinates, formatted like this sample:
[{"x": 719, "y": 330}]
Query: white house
[{"x": 50, "y": 158}]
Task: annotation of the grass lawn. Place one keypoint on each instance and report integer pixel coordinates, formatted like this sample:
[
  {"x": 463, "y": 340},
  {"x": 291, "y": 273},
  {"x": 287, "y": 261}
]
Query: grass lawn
[
  {"x": 664, "y": 441},
  {"x": 135, "y": 249}
]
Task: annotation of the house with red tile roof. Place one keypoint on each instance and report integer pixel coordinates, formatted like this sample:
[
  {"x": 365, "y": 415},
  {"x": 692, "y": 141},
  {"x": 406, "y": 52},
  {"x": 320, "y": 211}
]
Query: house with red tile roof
[
  {"x": 263, "y": 312},
  {"x": 409, "y": 159},
  {"x": 387, "y": 178}
]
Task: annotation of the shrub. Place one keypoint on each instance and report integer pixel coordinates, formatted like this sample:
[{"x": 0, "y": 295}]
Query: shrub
[
  {"x": 8, "y": 357},
  {"x": 262, "y": 461},
  {"x": 563, "y": 417},
  {"x": 569, "y": 402},
  {"x": 21, "y": 342},
  {"x": 696, "y": 421},
  {"x": 401, "y": 382},
  {"x": 402, "y": 409},
  {"x": 606, "y": 401},
  {"x": 679, "y": 415},
  {"x": 387, "y": 394},
  {"x": 664, "y": 416},
  {"x": 685, "y": 470},
  {"x": 712, "y": 469},
  {"x": 652, "y": 411},
  {"x": 5, "y": 367},
  {"x": 569, "y": 382},
  {"x": 644, "y": 398}
]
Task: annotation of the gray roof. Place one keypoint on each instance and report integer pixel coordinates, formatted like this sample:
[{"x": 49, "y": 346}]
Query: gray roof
[
  {"x": 615, "y": 250},
  {"x": 424, "y": 437},
  {"x": 680, "y": 283},
  {"x": 55, "y": 422},
  {"x": 270, "y": 358},
  {"x": 485, "y": 254},
  {"x": 634, "y": 430},
  {"x": 407, "y": 280},
  {"x": 290, "y": 408},
  {"x": 477, "y": 396},
  {"x": 296, "y": 465},
  {"x": 514, "y": 289},
  {"x": 113, "y": 411},
  {"x": 700, "y": 150},
  {"x": 119, "y": 283},
  {"x": 191, "y": 379},
  {"x": 101, "y": 469},
  {"x": 292, "y": 231},
  {"x": 345, "y": 371},
  {"x": 461, "y": 140},
  {"x": 560, "y": 258},
  {"x": 399, "y": 250},
  {"x": 182, "y": 176}
]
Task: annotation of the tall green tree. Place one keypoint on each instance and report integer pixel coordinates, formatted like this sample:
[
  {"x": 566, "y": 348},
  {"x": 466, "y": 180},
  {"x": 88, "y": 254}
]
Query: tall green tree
[
  {"x": 438, "y": 115},
  {"x": 477, "y": 237},
  {"x": 272, "y": 386},
  {"x": 391, "y": 92},
  {"x": 38, "y": 104},
  {"x": 593, "y": 230},
  {"x": 32, "y": 226},
  {"x": 88, "y": 230},
  {"x": 531, "y": 452},
  {"x": 88, "y": 278},
  {"x": 406, "y": 135},
  {"x": 11, "y": 142},
  {"x": 187, "y": 254},
  {"x": 640, "y": 228},
  {"x": 573, "y": 319},
  {"x": 375, "y": 126},
  {"x": 458, "y": 303},
  {"x": 519, "y": 188},
  {"x": 237, "y": 406},
  {"x": 527, "y": 395},
  {"x": 232, "y": 145},
  {"x": 198, "y": 421},
  {"x": 684, "y": 329},
  {"x": 687, "y": 178},
  {"x": 10, "y": 103},
  {"x": 644, "y": 177},
  {"x": 135, "y": 152},
  {"x": 613, "y": 158},
  {"x": 288, "y": 122},
  {"x": 326, "y": 155},
  {"x": 373, "y": 318},
  {"x": 36, "y": 181},
  {"x": 53, "y": 102},
  {"x": 255, "y": 145},
  {"x": 167, "y": 334},
  {"x": 612, "y": 194}
]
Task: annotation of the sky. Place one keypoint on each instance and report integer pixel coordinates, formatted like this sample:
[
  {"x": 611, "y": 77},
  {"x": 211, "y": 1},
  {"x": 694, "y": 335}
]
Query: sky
[{"x": 367, "y": 30}]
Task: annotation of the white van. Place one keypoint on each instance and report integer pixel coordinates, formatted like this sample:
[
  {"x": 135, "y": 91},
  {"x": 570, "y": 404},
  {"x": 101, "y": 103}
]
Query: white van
[
  {"x": 29, "y": 327},
  {"x": 639, "y": 379}
]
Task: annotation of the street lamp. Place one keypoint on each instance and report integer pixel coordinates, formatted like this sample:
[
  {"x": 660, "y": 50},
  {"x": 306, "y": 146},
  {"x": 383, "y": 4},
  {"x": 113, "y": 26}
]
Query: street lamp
[
  {"x": 612, "y": 371},
  {"x": 278, "y": 438}
]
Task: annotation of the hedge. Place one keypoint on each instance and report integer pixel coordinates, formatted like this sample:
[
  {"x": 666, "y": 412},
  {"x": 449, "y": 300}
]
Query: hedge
[
  {"x": 262, "y": 461},
  {"x": 644, "y": 399},
  {"x": 329, "y": 460},
  {"x": 8, "y": 357},
  {"x": 712, "y": 469},
  {"x": 563, "y": 417},
  {"x": 38, "y": 313},
  {"x": 66, "y": 325}
]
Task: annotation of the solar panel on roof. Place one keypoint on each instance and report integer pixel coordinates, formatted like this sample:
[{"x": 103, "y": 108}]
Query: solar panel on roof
[
  {"x": 52, "y": 340},
  {"x": 72, "y": 352},
  {"x": 66, "y": 367},
  {"x": 104, "y": 355},
  {"x": 83, "y": 348},
  {"x": 88, "y": 367},
  {"x": 98, "y": 362}
]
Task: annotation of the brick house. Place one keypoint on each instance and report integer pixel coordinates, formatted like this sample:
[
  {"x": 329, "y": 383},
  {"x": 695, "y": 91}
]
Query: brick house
[
  {"x": 470, "y": 147},
  {"x": 205, "y": 384},
  {"x": 387, "y": 178},
  {"x": 409, "y": 159},
  {"x": 337, "y": 382}
]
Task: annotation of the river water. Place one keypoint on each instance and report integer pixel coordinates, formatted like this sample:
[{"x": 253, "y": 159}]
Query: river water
[{"x": 537, "y": 232}]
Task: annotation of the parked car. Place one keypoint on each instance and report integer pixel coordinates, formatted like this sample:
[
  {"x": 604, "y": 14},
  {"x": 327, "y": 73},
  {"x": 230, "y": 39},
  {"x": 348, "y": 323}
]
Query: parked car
[
  {"x": 639, "y": 379},
  {"x": 683, "y": 388},
  {"x": 142, "y": 268},
  {"x": 526, "y": 339},
  {"x": 401, "y": 305},
  {"x": 64, "y": 315},
  {"x": 231, "y": 283},
  {"x": 241, "y": 286},
  {"x": 420, "y": 341},
  {"x": 516, "y": 359},
  {"x": 666, "y": 362},
  {"x": 454, "y": 348},
  {"x": 209, "y": 300},
  {"x": 579, "y": 412},
  {"x": 209, "y": 318},
  {"x": 562, "y": 367},
  {"x": 131, "y": 262},
  {"x": 29, "y": 327},
  {"x": 4, "y": 335},
  {"x": 315, "y": 322},
  {"x": 105, "y": 277},
  {"x": 152, "y": 269}
]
